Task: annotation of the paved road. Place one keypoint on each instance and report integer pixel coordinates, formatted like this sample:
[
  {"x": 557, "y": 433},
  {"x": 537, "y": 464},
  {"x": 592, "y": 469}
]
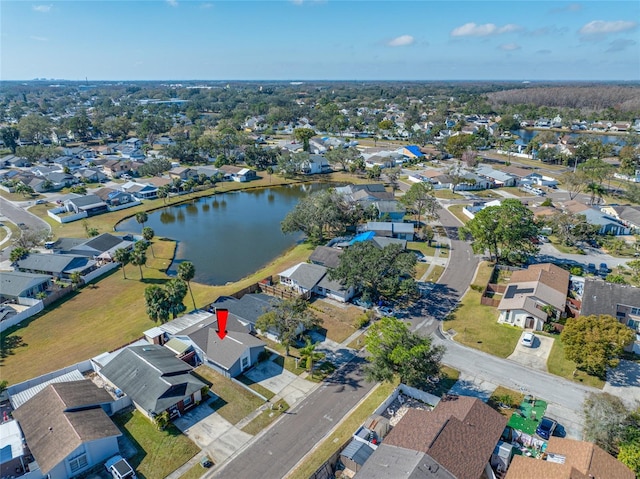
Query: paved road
[
  {"x": 18, "y": 215},
  {"x": 304, "y": 426}
]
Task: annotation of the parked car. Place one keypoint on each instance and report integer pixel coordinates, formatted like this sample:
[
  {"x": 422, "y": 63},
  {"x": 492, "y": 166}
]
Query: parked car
[
  {"x": 528, "y": 339},
  {"x": 41, "y": 202},
  {"x": 604, "y": 269},
  {"x": 546, "y": 427},
  {"x": 119, "y": 468},
  {"x": 385, "y": 310},
  {"x": 591, "y": 268}
]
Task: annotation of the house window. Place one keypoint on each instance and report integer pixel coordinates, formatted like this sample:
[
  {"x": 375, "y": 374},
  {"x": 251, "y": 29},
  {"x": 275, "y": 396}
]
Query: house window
[
  {"x": 634, "y": 324},
  {"x": 245, "y": 362},
  {"x": 186, "y": 401},
  {"x": 78, "y": 462}
]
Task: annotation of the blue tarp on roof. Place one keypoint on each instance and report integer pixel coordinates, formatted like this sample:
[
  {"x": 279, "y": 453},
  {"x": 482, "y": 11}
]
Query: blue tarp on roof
[
  {"x": 414, "y": 150},
  {"x": 362, "y": 237}
]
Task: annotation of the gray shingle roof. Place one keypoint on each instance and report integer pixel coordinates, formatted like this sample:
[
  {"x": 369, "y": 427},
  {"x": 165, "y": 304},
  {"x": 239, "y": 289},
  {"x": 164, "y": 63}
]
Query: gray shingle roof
[
  {"x": 61, "y": 417},
  {"x": 391, "y": 462},
  {"x": 600, "y": 297},
  {"x": 14, "y": 283},
  {"x": 55, "y": 263},
  {"x": 250, "y": 307},
  {"x": 308, "y": 275},
  {"x": 326, "y": 256},
  {"x": 152, "y": 377}
]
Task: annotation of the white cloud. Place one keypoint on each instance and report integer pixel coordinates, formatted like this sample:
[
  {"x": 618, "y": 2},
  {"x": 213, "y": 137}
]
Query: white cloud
[
  {"x": 509, "y": 47},
  {"x": 172, "y": 3},
  {"x": 474, "y": 30},
  {"x": 401, "y": 41},
  {"x": 42, "y": 8},
  {"x": 39, "y": 39},
  {"x": 600, "y": 27}
]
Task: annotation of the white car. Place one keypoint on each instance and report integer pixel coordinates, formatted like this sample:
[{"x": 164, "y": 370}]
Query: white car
[
  {"x": 119, "y": 468},
  {"x": 528, "y": 339}
]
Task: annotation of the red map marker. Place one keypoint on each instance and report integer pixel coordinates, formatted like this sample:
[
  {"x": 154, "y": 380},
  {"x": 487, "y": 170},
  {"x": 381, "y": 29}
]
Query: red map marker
[{"x": 221, "y": 316}]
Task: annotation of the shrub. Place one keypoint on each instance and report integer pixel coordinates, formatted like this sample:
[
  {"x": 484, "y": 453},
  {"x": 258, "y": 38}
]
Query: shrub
[
  {"x": 263, "y": 356},
  {"x": 477, "y": 287},
  {"x": 576, "y": 270}
]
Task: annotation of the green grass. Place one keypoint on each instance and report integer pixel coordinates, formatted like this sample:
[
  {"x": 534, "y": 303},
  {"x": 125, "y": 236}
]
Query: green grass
[
  {"x": 487, "y": 194},
  {"x": 435, "y": 274},
  {"x": 515, "y": 191},
  {"x": 234, "y": 403},
  {"x": 476, "y": 325},
  {"x": 266, "y": 418},
  {"x": 159, "y": 453},
  {"x": 15, "y": 232},
  {"x": 507, "y": 396},
  {"x": 255, "y": 386},
  {"x": 419, "y": 270},
  {"x": 196, "y": 472},
  {"x": 19, "y": 196},
  {"x": 357, "y": 343},
  {"x": 448, "y": 377},
  {"x": 560, "y": 366},
  {"x": 456, "y": 210},
  {"x": 343, "y": 432},
  {"x": 422, "y": 247},
  {"x": 447, "y": 195}
]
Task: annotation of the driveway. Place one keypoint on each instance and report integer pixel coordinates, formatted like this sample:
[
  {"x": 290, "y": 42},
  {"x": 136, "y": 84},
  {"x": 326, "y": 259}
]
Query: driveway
[
  {"x": 211, "y": 432},
  {"x": 279, "y": 381},
  {"x": 469, "y": 385},
  {"x": 624, "y": 382},
  {"x": 534, "y": 357}
]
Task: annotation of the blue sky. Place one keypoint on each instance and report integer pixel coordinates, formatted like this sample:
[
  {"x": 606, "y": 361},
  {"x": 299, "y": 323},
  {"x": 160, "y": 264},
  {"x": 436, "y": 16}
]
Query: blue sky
[{"x": 323, "y": 40}]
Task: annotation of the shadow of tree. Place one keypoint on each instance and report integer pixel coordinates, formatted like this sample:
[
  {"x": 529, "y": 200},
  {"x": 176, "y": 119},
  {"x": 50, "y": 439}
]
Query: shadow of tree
[{"x": 8, "y": 344}]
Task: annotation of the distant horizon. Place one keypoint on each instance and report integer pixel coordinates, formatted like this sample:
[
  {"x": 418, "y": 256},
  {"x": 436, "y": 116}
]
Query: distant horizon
[
  {"x": 295, "y": 82},
  {"x": 307, "y": 40}
]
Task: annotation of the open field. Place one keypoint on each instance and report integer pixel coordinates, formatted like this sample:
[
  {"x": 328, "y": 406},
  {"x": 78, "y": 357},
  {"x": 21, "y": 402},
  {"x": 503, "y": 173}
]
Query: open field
[
  {"x": 337, "y": 321},
  {"x": 159, "y": 453}
]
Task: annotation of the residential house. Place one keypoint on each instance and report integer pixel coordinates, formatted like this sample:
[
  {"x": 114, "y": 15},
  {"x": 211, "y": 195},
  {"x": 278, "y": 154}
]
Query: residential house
[
  {"x": 628, "y": 215},
  {"x": 569, "y": 459},
  {"x": 621, "y": 301},
  {"x": 132, "y": 153},
  {"x": 390, "y": 210},
  {"x": 520, "y": 174},
  {"x": 13, "y": 161},
  {"x": 60, "y": 266},
  {"x": 67, "y": 429},
  {"x": 115, "y": 197},
  {"x": 378, "y": 241},
  {"x": 231, "y": 356},
  {"x": 71, "y": 162},
  {"x": 182, "y": 173},
  {"x": 91, "y": 175},
  {"x": 606, "y": 224},
  {"x": 412, "y": 152},
  {"x": 389, "y": 229},
  {"x": 438, "y": 179},
  {"x": 236, "y": 173},
  {"x": 454, "y": 441},
  {"x": 531, "y": 293},
  {"x": 316, "y": 164},
  {"x": 91, "y": 204},
  {"x": 499, "y": 178},
  {"x": 116, "y": 168},
  {"x": 142, "y": 191},
  {"x": 326, "y": 256},
  {"x": 248, "y": 309},
  {"x": 154, "y": 379},
  {"x": 308, "y": 279},
  {"x": 364, "y": 194},
  {"x": 17, "y": 284},
  {"x": 102, "y": 246},
  {"x": 132, "y": 143},
  {"x": 60, "y": 179}
]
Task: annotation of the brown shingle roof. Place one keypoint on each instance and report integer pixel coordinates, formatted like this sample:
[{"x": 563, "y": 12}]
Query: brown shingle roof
[
  {"x": 546, "y": 273},
  {"x": 582, "y": 460},
  {"x": 459, "y": 434},
  {"x": 61, "y": 417}
]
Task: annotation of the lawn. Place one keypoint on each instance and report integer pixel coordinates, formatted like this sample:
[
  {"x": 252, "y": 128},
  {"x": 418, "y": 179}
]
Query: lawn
[
  {"x": 476, "y": 325},
  {"x": 234, "y": 402},
  {"x": 435, "y": 274},
  {"x": 419, "y": 270},
  {"x": 196, "y": 472},
  {"x": 456, "y": 210},
  {"x": 560, "y": 366},
  {"x": 255, "y": 386},
  {"x": 515, "y": 191},
  {"x": 343, "y": 432},
  {"x": 422, "y": 247},
  {"x": 508, "y": 397},
  {"x": 19, "y": 196},
  {"x": 448, "y": 377},
  {"x": 447, "y": 194},
  {"x": 159, "y": 453},
  {"x": 266, "y": 417},
  {"x": 74, "y": 329},
  {"x": 337, "y": 321}
]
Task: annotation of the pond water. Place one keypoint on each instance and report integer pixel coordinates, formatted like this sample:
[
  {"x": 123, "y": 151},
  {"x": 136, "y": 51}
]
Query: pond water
[
  {"x": 228, "y": 236},
  {"x": 527, "y": 136}
]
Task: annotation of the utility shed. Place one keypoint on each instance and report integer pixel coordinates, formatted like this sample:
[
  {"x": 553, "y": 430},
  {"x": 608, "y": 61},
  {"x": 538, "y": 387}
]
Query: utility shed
[{"x": 355, "y": 455}]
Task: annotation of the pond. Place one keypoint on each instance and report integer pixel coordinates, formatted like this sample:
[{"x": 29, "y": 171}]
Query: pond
[
  {"x": 527, "y": 136},
  {"x": 228, "y": 236}
]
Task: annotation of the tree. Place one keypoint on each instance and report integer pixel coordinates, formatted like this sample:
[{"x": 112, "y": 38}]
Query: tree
[
  {"x": 139, "y": 256},
  {"x": 286, "y": 319},
  {"x": 595, "y": 343},
  {"x": 304, "y": 135},
  {"x": 458, "y": 144},
  {"x": 505, "y": 231},
  {"x": 309, "y": 354},
  {"x": 163, "y": 192},
  {"x": 574, "y": 183},
  {"x": 342, "y": 156},
  {"x": 157, "y": 303},
  {"x": 24, "y": 190},
  {"x": 606, "y": 418},
  {"x": 570, "y": 228},
  {"x": 30, "y": 238},
  {"x": 317, "y": 215},
  {"x": 122, "y": 256},
  {"x": 34, "y": 127},
  {"x": 141, "y": 218},
  {"x": 420, "y": 199},
  {"x": 394, "y": 350},
  {"x": 90, "y": 230},
  {"x": 148, "y": 234},
  {"x": 385, "y": 272},
  {"x": 75, "y": 278},
  {"x": 18, "y": 253},
  {"x": 186, "y": 272},
  {"x": 176, "y": 290},
  {"x": 9, "y": 136},
  {"x": 596, "y": 191}
]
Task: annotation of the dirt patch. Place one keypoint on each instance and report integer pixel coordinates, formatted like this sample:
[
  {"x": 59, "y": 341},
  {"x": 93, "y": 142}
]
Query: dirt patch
[{"x": 338, "y": 319}]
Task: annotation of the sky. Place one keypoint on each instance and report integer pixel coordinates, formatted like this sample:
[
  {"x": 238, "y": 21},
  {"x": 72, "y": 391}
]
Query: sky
[{"x": 320, "y": 40}]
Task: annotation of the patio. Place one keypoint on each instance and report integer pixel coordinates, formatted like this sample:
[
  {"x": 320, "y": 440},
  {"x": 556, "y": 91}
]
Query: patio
[{"x": 528, "y": 414}]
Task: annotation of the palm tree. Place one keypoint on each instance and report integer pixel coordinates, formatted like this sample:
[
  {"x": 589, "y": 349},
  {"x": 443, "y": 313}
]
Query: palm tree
[
  {"x": 186, "y": 272},
  {"x": 148, "y": 234},
  {"x": 139, "y": 258},
  {"x": 309, "y": 354},
  {"x": 76, "y": 278},
  {"x": 122, "y": 256},
  {"x": 596, "y": 190},
  {"x": 141, "y": 218}
]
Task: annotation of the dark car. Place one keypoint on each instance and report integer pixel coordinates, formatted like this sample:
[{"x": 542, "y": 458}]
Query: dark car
[
  {"x": 604, "y": 269},
  {"x": 591, "y": 268},
  {"x": 546, "y": 427}
]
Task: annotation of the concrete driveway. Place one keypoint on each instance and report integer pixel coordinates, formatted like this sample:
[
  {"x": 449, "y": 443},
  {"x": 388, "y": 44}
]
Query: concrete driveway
[
  {"x": 211, "y": 432},
  {"x": 281, "y": 382},
  {"x": 624, "y": 382},
  {"x": 469, "y": 385},
  {"x": 536, "y": 356}
]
